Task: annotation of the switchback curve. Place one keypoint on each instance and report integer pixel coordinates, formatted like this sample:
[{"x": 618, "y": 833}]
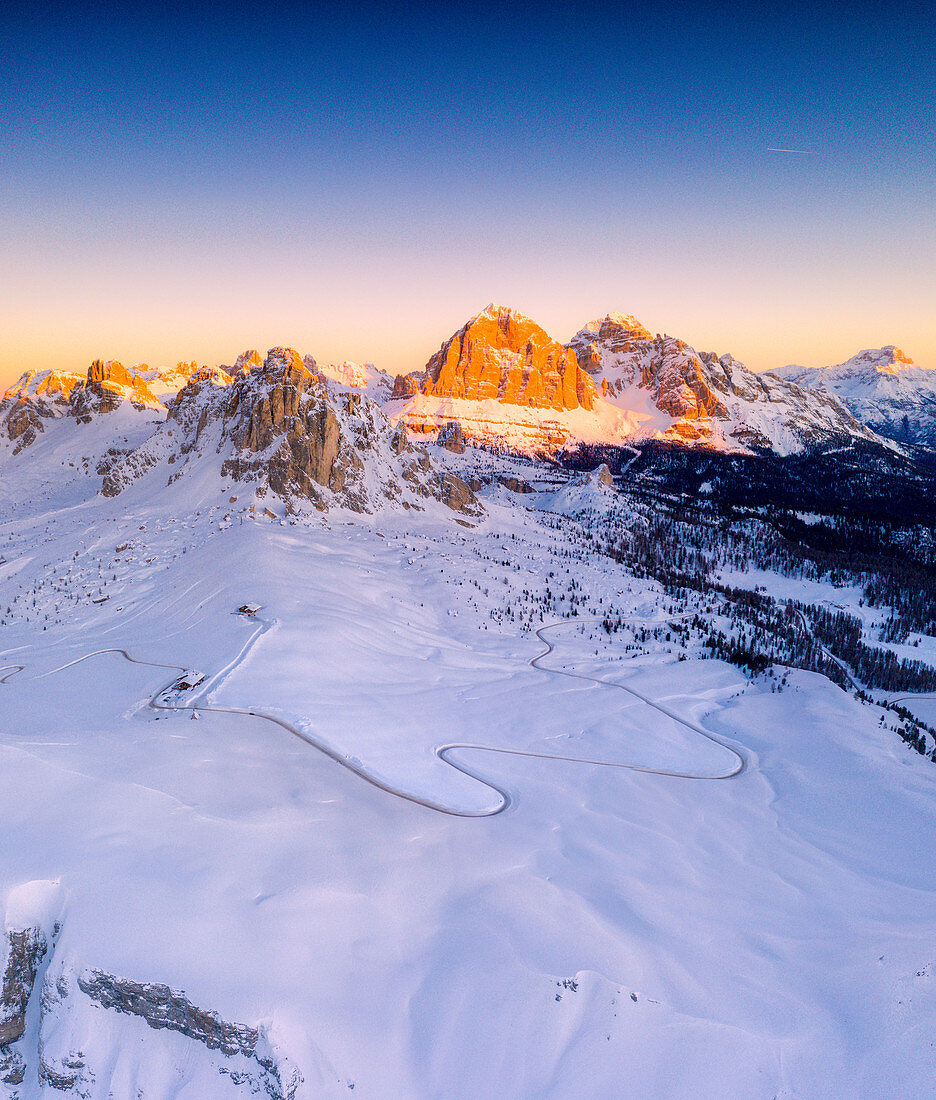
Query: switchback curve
[{"x": 442, "y": 751}]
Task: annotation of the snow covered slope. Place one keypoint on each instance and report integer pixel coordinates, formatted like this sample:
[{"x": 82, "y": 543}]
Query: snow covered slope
[
  {"x": 883, "y": 388},
  {"x": 262, "y": 902},
  {"x": 362, "y": 377}
]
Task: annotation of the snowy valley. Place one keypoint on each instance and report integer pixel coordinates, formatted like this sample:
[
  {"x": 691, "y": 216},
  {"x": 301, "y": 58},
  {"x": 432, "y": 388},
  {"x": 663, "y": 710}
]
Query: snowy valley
[{"x": 538, "y": 724}]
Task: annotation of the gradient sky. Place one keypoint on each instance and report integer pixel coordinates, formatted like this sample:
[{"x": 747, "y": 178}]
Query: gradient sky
[{"x": 187, "y": 180}]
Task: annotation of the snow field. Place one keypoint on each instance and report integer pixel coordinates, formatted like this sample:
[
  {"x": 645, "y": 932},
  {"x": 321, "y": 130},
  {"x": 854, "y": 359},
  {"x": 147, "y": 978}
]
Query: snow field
[{"x": 614, "y": 933}]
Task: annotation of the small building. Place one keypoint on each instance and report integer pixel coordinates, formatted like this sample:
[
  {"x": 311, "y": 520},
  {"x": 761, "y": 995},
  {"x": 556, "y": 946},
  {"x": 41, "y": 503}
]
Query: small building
[{"x": 249, "y": 609}]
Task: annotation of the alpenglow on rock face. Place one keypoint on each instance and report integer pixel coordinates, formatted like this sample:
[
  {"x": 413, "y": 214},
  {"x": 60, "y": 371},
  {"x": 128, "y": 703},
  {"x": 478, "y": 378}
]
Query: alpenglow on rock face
[
  {"x": 510, "y": 386},
  {"x": 42, "y": 396},
  {"x": 502, "y": 355}
]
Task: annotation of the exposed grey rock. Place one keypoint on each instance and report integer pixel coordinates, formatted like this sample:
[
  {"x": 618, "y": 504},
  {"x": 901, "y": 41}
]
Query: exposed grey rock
[
  {"x": 515, "y": 484},
  {"x": 405, "y": 385},
  {"x": 26, "y": 950},
  {"x": 162, "y": 1007},
  {"x": 12, "y": 1066},
  {"x": 24, "y": 424},
  {"x": 451, "y": 437},
  {"x": 68, "y": 1074}
]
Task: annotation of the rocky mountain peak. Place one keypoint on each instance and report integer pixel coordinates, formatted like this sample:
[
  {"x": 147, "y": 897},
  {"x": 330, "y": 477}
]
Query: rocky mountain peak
[
  {"x": 108, "y": 383},
  {"x": 285, "y": 362},
  {"x": 496, "y": 311},
  {"x": 616, "y": 334},
  {"x": 502, "y": 355},
  {"x": 49, "y": 385},
  {"x": 247, "y": 361}
]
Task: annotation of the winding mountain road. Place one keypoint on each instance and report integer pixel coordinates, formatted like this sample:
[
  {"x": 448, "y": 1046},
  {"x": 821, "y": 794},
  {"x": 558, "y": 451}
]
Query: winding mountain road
[{"x": 443, "y": 752}]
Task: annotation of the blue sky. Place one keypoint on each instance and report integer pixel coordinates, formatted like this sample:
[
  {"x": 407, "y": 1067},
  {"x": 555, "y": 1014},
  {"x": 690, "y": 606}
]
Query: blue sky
[{"x": 187, "y": 180}]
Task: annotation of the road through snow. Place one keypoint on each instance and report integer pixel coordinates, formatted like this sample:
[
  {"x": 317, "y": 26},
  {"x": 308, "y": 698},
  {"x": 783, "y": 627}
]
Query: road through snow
[{"x": 443, "y": 752}]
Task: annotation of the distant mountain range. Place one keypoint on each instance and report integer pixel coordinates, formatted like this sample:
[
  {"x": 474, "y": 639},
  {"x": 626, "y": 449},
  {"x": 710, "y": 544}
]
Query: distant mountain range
[{"x": 500, "y": 382}]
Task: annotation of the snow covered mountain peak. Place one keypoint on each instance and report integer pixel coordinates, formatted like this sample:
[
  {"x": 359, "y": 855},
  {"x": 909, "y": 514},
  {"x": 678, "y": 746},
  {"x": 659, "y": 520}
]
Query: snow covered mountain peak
[
  {"x": 883, "y": 388},
  {"x": 886, "y": 360},
  {"x": 668, "y": 390},
  {"x": 360, "y": 377}
]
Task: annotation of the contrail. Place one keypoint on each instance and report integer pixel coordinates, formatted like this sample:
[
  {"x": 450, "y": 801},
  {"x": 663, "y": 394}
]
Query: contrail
[{"x": 773, "y": 149}]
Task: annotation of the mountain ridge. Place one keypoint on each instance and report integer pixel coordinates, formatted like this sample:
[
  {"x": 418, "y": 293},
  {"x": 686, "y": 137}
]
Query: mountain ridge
[
  {"x": 510, "y": 385},
  {"x": 276, "y": 423}
]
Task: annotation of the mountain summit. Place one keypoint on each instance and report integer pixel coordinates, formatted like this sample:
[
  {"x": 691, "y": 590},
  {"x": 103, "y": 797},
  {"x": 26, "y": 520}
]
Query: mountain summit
[
  {"x": 501, "y": 354},
  {"x": 882, "y": 387}
]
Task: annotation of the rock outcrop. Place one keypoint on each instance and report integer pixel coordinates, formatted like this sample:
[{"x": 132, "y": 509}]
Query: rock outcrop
[
  {"x": 604, "y": 476},
  {"x": 279, "y": 424},
  {"x": 52, "y": 1031},
  {"x": 162, "y": 1007},
  {"x": 106, "y": 386},
  {"x": 68, "y": 1051},
  {"x": 452, "y": 437},
  {"x": 25, "y": 950}
]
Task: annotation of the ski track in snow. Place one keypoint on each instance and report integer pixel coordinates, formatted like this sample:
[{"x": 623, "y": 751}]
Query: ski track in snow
[{"x": 442, "y": 751}]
